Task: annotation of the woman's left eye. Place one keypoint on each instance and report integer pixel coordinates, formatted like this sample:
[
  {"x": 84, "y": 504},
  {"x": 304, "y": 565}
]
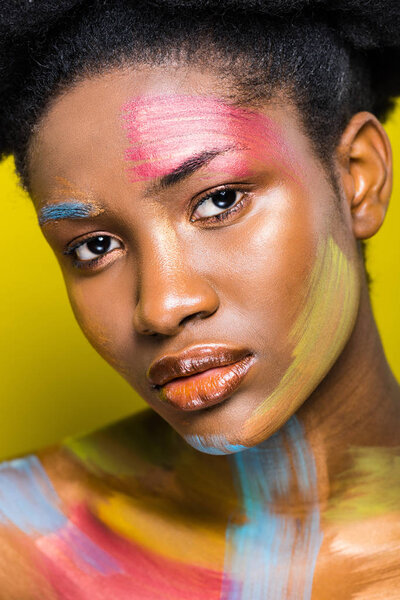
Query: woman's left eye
[
  {"x": 96, "y": 247},
  {"x": 218, "y": 202}
]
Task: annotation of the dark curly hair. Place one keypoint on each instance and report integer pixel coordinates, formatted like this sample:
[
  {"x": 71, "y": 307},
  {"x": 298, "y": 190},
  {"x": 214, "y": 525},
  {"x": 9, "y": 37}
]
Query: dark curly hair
[{"x": 332, "y": 58}]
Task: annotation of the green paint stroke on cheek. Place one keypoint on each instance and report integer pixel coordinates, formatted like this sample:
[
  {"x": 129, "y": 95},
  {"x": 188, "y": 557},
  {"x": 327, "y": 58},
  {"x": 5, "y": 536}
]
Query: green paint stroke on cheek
[
  {"x": 370, "y": 487},
  {"x": 318, "y": 335}
]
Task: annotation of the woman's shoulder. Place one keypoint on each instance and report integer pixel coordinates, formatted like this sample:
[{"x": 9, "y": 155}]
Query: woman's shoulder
[
  {"x": 138, "y": 457},
  {"x": 29, "y": 511},
  {"x": 61, "y": 474},
  {"x": 50, "y": 499},
  {"x": 78, "y": 518}
]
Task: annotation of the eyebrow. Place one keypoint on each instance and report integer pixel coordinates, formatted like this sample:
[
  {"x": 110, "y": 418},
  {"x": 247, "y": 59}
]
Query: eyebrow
[
  {"x": 72, "y": 209},
  {"x": 184, "y": 170}
]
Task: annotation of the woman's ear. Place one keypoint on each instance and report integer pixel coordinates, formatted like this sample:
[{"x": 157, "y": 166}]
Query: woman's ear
[{"x": 365, "y": 167}]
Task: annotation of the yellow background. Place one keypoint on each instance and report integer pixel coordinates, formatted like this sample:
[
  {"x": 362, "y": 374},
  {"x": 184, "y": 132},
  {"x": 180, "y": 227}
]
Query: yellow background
[{"x": 52, "y": 383}]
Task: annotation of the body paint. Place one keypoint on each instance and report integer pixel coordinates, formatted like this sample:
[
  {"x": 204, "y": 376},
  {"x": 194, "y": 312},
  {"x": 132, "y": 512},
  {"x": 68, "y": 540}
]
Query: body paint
[
  {"x": 30, "y": 503},
  {"x": 317, "y": 336},
  {"x": 160, "y": 540},
  {"x": 272, "y": 556},
  {"x": 141, "y": 574},
  {"x": 171, "y": 482},
  {"x": 80, "y": 557},
  {"x": 27, "y": 497},
  {"x": 150, "y": 531},
  {"x": 368, "y": 488},
  {"x": 362, "y": 524}
]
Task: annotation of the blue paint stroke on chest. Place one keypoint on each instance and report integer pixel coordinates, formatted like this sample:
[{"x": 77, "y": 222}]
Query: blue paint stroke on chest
[
  {"x": 29, "y": 502},
  {"x": 27, "y": 497},
  {"x": 272, "y": 556}
]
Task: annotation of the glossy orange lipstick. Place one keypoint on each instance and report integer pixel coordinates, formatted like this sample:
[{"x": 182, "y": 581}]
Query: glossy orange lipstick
[{"x": 201, "y": 376}]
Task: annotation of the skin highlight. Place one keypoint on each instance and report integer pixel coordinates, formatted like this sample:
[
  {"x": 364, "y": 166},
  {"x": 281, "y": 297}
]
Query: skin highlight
[{"x": 141, "y": 512}]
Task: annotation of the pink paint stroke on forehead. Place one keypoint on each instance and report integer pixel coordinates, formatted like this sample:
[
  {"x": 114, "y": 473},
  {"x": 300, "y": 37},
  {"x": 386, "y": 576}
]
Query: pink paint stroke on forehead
[{"x": 164, "y": 131}]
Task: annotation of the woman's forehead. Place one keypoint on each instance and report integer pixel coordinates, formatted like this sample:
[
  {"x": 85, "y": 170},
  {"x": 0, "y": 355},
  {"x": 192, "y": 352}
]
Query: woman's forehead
[
  {"x": 165, "y": 132},
  {"x": 147, "y": 131},
  {"x": 151, "y": 93}
]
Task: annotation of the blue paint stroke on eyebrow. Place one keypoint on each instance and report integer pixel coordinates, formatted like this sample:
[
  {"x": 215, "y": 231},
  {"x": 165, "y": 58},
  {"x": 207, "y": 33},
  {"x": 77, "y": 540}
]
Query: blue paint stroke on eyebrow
[
  {"x": 213, "y": 444},
  {"x": 28, "y": 499},
  {"x": 66, "y": 210},
  {"x": 273, "y": 555}
]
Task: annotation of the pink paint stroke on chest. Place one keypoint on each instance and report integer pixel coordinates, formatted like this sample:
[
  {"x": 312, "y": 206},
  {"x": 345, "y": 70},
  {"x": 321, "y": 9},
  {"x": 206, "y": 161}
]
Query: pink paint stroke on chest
[{"x": 130, "y": 572}]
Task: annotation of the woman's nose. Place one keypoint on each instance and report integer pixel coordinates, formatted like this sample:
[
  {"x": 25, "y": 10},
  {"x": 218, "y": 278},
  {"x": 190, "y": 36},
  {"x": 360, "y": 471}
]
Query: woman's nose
[{"x": 170, "y": 293}]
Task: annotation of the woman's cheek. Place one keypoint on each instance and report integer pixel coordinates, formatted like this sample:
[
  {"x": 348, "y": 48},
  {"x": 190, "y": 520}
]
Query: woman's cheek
[
  {"x": 323, "y": 325},
  {"x": 97, "y": 314},
  {"x": 265, "y": 276}
]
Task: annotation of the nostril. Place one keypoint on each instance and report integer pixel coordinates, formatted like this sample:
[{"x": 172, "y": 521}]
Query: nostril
[{"x": 199, "y": 315}]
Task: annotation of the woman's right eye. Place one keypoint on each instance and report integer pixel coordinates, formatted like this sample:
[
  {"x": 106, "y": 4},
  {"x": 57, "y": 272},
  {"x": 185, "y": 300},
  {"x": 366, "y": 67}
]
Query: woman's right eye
[{"x": 96, "y": 247}]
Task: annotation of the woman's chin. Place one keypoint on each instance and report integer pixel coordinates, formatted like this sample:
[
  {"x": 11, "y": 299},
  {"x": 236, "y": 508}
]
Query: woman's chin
[
  {"x": 233, "y": 436},
  {"x": 216, "y": 444},
  {"x": 228, "y": 442}
]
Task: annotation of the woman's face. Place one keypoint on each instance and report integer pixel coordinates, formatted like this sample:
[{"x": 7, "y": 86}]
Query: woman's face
[{"x": 183, "y": 222}]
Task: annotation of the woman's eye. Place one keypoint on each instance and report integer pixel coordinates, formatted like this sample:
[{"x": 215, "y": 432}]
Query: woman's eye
[
  {"x": 217, "y": 202},
  {"x": 96, "y": 246}
]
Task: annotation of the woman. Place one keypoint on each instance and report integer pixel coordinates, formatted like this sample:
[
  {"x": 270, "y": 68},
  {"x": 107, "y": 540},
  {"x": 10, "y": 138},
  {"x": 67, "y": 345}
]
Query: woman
[{"x": 205, "y": 173}]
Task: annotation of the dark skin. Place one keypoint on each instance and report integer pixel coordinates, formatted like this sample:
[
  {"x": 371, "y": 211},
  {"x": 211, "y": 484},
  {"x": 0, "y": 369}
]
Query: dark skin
[{"x": 169, "y": 283}]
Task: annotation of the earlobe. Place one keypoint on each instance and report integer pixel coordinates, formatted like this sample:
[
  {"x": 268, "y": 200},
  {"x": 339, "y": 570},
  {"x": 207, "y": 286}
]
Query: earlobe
[{"x": 365, "y": 165}]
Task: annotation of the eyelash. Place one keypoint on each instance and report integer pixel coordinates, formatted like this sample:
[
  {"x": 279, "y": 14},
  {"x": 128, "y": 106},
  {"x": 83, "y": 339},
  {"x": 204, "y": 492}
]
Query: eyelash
[
  {"x": 87, "y": 264},
  {"x": 226, "y": 214}
]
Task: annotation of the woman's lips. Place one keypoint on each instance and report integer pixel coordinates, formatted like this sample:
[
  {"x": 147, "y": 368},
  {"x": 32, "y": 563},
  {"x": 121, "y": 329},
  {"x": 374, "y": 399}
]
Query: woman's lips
[
  {"x": 200, "y": 377},
  {"x": 206, "y": 388}
]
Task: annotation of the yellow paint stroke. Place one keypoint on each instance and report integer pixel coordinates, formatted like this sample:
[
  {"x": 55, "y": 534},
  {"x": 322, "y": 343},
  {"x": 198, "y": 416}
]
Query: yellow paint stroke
[
  {"x": 179, "y": 537},
  {"x": 317, "y": 336},
  {"x": 370, "y": 487},
  {"x": 157, "y": 509}
]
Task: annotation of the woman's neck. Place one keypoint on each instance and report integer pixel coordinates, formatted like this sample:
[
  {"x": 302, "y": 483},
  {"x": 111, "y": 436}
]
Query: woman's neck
[
  {"x": 280, "y": 538},
  {"x": 356, "y": 406}
]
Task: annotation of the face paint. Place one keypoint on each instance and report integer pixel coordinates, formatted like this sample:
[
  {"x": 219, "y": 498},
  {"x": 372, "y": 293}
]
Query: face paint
[
  {"x": 271, "y": 545},
  {"x": 325, "y": 320},
  {"x": 70, "y": 203},
  {"x": 66, "y": 210},
  {"x": 163, "y": 131},
  {"x": 318, "y": 335},
  {"x": 213, "y": 444}
]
